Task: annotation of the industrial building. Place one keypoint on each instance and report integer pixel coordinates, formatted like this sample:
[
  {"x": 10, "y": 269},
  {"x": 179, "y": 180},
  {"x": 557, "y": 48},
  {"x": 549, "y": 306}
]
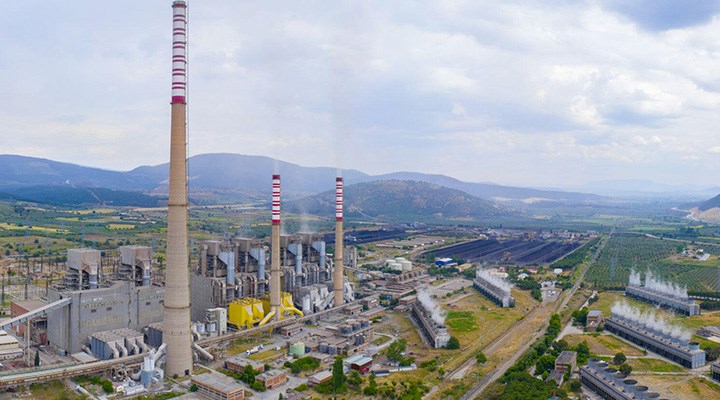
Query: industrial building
[
  {"x": 9, "y": 347},
  {"x": 686, "y": 354},
  {"x": 679, "y": 305},
  {"x": 437, "y": 335},
  {"x": 302, "y": 279},
  {"x": 612, "y": 385},
  {"x": 89, "y": 303},
  {"x": 493, "y": 290},
  {"x": 272, "y": 379},
  {"x": 218, "y": 387},
  {"x": 715, "y": 370},
  {"x": 237, "y": 270},
  {"x": 38, "y": 326}
]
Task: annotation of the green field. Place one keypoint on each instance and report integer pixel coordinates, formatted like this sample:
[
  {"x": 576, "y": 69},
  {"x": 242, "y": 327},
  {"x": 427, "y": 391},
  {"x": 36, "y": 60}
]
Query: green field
[{"x": 461, "y": 321}]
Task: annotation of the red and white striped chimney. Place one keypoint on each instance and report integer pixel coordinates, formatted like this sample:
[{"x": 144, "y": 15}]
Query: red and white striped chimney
[
  {"x": 338, "y": 274},
  {"x": 275, "y": 268},
  {"x": 179, "y": 52}
]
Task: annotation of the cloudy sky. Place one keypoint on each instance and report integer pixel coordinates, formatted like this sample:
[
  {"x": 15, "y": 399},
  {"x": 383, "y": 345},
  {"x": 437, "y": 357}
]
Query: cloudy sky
[{"x": 543, "y": 93}]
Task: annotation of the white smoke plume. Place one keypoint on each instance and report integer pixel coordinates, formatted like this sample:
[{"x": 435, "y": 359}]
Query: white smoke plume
[
  {"x": 493, "y": 279},
  {"x": 651, "y": 321},
  {"x": 434, "y": 310},
  {"x": 657, "y": 284}
]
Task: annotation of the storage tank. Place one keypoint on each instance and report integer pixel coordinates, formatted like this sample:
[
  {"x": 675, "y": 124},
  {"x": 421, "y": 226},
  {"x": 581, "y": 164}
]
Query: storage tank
[
  {"x": 406, "y": 265},
  {"x": 297, "y": 349}
]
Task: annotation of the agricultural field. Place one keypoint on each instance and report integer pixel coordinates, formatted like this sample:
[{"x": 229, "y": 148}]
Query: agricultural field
[{"x": 626, "y": 252}]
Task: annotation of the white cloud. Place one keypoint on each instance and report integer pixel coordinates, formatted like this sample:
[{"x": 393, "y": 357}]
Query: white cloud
[{"x": 511, "y": 91}]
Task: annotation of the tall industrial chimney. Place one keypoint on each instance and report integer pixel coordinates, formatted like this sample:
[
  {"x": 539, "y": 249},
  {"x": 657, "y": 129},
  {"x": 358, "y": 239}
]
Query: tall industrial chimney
[
  {"x": 176, "y": 319},
  {"x": 275, "y": 267},
  {"x": 338, "y": 279}
]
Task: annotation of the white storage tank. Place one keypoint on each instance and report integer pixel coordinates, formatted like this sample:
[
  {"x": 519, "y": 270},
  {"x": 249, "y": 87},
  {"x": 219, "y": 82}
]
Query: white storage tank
[{"x": 406, "y": 265}]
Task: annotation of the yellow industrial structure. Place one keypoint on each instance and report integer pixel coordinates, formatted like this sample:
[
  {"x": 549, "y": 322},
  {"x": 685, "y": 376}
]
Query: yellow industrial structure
[{"x": 249, "y": 311}]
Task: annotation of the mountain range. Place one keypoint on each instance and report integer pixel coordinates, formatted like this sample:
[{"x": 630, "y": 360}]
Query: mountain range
[{"x": 244, "y": 176}]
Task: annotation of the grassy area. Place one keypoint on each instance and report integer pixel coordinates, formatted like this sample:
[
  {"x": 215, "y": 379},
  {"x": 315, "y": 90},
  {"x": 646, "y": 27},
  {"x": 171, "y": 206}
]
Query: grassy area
[
  {"x": 53, "y": 390},
  {"x": 604, "y": 345},
  {"x": 461, "y": 321},
  {"x": 267, "y": 355},
  {"x": 654, "y": 365},
  {"x": 681, "y": 387},
  {"x": 240, "y": 345},
  {"x": 381, "y": 339}
]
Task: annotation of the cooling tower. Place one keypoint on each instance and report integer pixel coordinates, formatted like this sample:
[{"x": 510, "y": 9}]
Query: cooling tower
[
  {"x": 176, "y": 319},
  {"x": 338, "y": 273},
  {"x": 275, "y": 267}
]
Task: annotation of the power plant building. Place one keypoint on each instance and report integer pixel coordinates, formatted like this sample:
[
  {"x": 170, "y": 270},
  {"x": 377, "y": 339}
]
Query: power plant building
[
  {"x": 610, "y": 384},
  {"x": 686, "y": 354},
  {"x": 715, "y": 370},
  {"x": 679, "y": 305},
  {"x": 437, "y": 335},
  {"x": 497, "y": 294},
  {"x": 119, "y": 305}
]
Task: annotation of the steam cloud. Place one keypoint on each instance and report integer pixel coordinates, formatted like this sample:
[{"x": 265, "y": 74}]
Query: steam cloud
[
  {"x": 651, "y": 321},
  {"x": 434, "y": 310},
  {"x": 494, "y": 280},
  {"x": 653, "y": 283}
]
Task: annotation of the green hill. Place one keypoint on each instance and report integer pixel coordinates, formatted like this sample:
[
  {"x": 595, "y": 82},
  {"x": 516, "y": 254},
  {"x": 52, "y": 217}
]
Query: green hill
[{"x": 395, "y": 200}]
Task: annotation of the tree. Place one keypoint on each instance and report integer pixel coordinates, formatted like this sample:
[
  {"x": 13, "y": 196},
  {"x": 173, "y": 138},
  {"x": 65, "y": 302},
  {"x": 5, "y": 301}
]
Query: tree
[
  {"x": 625, "y": 369},
  {"x": 338, "y": 376},
  {"x": 546, "y": 363},
  {"x": 580, "y": 316},
  {"x": 37, "y": 358},
  {"x": 583, "y": 352},
  {"x": 575, "y": 385},
  {"x": 561, "y": 345},
  {"x": 712, "y": 353},
  {"x": 480, "y": 357},
  {"x": 395, "y": 350},
  {"x": 371, "y": 388},
  {"x": 355, "y": 380},
  {"x": 619, "y": 358},
  {"x": 193, "y": 388},
  {"x": 453, "y": 343}
]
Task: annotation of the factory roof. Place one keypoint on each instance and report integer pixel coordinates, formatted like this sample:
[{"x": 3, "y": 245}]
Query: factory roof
[
  {"x": 7, "y": 339},
  {"x": 566, "y": 357},
  {"x": 219, "y": 382},
  {"x": 363, "y": 361},
  {"x": 30, "y": 305},
  {"x": 321, "y": 376},
  {"x": 270, "y": 374},
  {"x": 83, "y": 357}
]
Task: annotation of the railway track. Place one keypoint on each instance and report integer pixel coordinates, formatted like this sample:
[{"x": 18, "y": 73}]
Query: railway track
[{"x": 481, "y": 385}]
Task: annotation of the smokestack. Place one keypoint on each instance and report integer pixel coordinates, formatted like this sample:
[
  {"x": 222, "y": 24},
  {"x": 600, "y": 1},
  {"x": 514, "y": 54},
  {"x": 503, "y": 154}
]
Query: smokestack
[
  {"x": 338, "y": 273},
  {"x": 275, "y": 268},
  {"x": 176, "y": 318}
]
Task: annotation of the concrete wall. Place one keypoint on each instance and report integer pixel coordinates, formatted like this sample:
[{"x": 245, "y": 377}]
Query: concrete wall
[{"x": 119, "y": 306}]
